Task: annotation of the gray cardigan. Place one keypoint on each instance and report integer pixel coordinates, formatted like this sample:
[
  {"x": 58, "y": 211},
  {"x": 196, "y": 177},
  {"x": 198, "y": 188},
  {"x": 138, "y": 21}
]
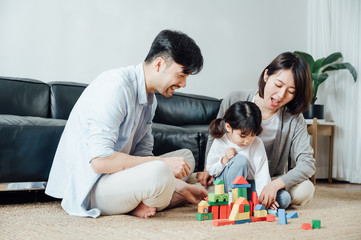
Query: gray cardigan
[{"x": 291, "y": 151}]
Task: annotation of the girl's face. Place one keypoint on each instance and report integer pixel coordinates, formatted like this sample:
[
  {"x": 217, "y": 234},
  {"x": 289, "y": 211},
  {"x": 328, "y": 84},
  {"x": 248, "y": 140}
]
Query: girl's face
[
  {"x": 279, "y": 89},
  {"x": 236, "y": 137}
]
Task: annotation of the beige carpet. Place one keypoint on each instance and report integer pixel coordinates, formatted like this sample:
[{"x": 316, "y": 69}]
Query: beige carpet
[{"x": 338, "y": 210}]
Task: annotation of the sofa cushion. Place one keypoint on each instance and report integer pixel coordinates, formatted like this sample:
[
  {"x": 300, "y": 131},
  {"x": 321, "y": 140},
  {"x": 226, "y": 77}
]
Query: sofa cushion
[
  {"x": 169, "y": 138},
  {"x": 63, "y": 96},
  {"x": 27, "y": 147},
  {"x": 24, "y": 97},
  {"x": 186, "y": 109}
]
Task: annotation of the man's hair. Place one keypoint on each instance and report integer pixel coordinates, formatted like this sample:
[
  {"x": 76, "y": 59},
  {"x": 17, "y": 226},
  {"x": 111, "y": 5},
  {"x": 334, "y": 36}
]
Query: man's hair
[
  {"x": 301, "y": 75},
  {"x": 180, "y": 48}
]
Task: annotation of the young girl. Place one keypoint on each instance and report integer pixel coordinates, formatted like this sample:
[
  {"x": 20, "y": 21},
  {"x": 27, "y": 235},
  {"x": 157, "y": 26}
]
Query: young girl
[{"x": 236, "y": 149}]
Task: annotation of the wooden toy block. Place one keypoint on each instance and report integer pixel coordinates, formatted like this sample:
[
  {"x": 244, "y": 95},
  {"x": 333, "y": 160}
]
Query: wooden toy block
[
  {"x": 242, "y": 192},
  {"x": 243, "y": 216},
  {"x": 259, "y": 207},
  {"x": 282, "y": 216},
  {"x": 260, "y": 213},
  {"x": 215, "y": 211},
  {"x": 223, "y": 211},
  {"x": 218, "y": 223},
  {"x": 204, "y": 216},
  {"x": 306, "y": 226},
  {"x": 270, "y": 218},
  {"x": 241, "y": 208},
  {"x": 258, "y": 219},
  {"x": 254, "y": 198},
  {"x": 218, "y": 203},
  {"x": 243, "y": 221},
  {"x": 234, "y": 194},
  {"x": 219, "y": 189},
  {"x": 218, "y": 182},
  {"x": 212, "y": 197},
  {"x": 316, "y": 223},
  {"x": 240, "y": 180},
  {"x": 234, "y": 213},
  {"x": 272, "y": 211},
  {"x": 229, "y": 209},
  {"x": 240, "y": 186},
  {"x": 292, "y": 214},
  {"x": 251, "y": 209},
  {"x": 246, "y": 208},
  {"x": 203, "y": 207}
]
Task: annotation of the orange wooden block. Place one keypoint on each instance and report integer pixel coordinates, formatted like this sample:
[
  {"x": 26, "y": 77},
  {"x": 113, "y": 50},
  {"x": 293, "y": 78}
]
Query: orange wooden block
[
  {"x": 258, "y": 219},
  {"x": 215, "y": 211},
  {"x": 223, "y": 211},
  {"x": 270, "y": 218},
  {"x": 306, "y": 226},
  {"x": 218, "y": 223}
]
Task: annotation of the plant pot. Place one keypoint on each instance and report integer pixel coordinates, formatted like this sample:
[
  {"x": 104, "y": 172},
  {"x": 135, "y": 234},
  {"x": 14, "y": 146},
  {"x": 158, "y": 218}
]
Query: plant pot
[{"x": 314, "y": 110}]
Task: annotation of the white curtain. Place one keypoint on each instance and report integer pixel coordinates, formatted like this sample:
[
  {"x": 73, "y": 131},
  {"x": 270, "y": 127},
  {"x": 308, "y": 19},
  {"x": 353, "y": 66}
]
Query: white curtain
[{"x": 335, "y": 26}]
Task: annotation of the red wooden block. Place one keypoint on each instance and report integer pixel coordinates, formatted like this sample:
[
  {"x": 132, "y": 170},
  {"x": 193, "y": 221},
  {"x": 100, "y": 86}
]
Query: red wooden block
[
  {"x": 241, "y": 209},
  {"x": 218, "y": 223},
  {"x": 251, "y": 208},
  {"x": 270, "y": 218},
  {"x": 223, "y": 211},
  {"x": 258, "y": 219},
  {"x": 215, "y": 211},
  {"x": 306, "y": 226},
  {"x": 254, "y": 198},
  {"x": 229, "y": 209}
]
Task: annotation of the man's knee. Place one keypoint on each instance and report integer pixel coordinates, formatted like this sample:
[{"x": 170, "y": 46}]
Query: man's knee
[
  {"x": 302, "y": 193},
  {"x": 283, "y": 199}
]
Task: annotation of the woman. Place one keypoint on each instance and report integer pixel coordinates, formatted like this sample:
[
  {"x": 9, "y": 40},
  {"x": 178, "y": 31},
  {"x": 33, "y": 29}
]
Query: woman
[{"x": 284, "y": 92}]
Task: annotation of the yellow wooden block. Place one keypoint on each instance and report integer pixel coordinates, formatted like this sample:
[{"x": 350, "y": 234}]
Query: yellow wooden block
[
  {"x": 234, "y": 213},
  {"x": 260, "y": 213},
  {"x": 243, "y": 216},
  {"x": 234, "y": 194},
  {"x": 219, "y": 189}
]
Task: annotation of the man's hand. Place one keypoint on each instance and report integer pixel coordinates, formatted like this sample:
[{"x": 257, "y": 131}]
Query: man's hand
[
  {"x": 269, "y": 193},
  {"x": 204, "y": 178},
  {"x": 178, "y": 165}
]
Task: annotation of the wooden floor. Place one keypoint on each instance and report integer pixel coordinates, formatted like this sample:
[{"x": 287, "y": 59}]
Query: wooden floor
[{"x": 339, "y": 184}]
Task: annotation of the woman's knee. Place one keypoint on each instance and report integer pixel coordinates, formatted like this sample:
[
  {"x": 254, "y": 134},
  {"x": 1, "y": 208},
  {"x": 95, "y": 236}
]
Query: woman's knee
[{"x": 302, "y": 193}]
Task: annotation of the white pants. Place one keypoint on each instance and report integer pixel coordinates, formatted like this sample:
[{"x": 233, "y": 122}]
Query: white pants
[
  {"x": 301, "y": 193},
  {"x": 151, "y": 183}
]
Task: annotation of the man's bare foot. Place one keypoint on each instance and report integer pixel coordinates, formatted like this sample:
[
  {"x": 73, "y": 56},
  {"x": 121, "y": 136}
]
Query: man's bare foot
[
  {"x": 143, "y": 211},
  {"x": 187, "y": 193}
]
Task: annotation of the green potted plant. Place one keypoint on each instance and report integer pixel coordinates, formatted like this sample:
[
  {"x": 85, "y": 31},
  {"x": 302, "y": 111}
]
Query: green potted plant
[{"x": 318, "y": 71}]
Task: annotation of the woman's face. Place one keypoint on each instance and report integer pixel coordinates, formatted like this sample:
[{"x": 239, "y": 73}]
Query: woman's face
[{"x": 279, "y": 89}]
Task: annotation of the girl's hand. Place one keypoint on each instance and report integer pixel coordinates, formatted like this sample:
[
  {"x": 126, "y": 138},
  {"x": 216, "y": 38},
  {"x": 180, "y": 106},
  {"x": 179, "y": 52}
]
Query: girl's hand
[
  {"x": 275, "y": 205},
  {"x": 230, "y": 153}
]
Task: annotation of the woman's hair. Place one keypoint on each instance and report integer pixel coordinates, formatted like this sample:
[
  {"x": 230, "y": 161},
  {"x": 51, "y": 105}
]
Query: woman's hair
[
  {"x": 301, "y": 75},
  {"x": 244, "y": 116}
]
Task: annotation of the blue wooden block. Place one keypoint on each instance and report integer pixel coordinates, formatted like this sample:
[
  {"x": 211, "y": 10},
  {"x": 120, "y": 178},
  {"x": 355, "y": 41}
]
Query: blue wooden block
[
  {"x": 282, "y": 216},
  {"x": 243, "y": 221},
  {"x": 272, "y": 211},
  {"x": 259, "y": 207},
  {"x": 292, "y": 214},
  {"x": 240, "y": 185}
]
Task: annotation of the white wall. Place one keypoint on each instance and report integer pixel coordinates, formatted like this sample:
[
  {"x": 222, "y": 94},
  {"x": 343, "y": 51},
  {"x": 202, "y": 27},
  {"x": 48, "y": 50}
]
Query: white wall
[{"x": 57, "y": 40}]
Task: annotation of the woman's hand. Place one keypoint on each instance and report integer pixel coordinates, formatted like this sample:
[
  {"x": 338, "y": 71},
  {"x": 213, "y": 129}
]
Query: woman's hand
[{"x": 269, "y": 193}]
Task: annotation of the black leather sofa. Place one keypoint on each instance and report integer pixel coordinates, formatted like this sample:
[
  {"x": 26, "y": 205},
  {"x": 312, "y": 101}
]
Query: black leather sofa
[{"x": 33, "y": 115}]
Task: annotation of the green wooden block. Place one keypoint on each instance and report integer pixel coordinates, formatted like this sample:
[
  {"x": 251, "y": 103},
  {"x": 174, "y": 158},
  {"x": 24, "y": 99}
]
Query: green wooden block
[
  {"x": 217, "y": 203},
  {"x": 244, "y": 193},
  {"x": 246, "y": 208},
  {"x": 204, "y": 216},
  {"x": 316, "y": 223}
]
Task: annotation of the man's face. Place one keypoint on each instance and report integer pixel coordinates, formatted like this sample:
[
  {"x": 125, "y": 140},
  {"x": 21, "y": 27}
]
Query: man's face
[{"x": 171, "y": 78}]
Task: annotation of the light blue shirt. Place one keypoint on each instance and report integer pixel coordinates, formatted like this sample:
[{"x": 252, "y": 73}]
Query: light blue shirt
[{"x": 100, "y": 123}]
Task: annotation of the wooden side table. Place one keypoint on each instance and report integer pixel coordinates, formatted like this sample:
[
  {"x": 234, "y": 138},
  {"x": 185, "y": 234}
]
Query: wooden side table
[{"x": 321, "y": 128}]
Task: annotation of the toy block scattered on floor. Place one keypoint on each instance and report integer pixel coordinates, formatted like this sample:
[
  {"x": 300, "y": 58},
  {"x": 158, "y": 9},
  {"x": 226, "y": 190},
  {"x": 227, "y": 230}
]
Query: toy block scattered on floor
[
  {"x": 306, "y": 226},
  {"x": 204, "y": 216},
  {"x": 270, "y": 218},
  {"x": 218, "y": 223},
  {"x": 282, "y": 216},
  {"x": 258, "y": 219},
  {"x": 292, "y": 214},
  {"x": 272, "y": 211},
  {"x": 316, "y": 223}
]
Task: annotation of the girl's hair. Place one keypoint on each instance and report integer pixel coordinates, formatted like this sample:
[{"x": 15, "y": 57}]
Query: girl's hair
[
  {"x": 301, "y": 75},
  {"x": 245, "y": 116}
]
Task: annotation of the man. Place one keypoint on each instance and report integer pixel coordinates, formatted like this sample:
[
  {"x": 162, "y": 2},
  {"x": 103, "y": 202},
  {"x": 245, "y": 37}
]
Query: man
[{"x": 104, "y": 162}]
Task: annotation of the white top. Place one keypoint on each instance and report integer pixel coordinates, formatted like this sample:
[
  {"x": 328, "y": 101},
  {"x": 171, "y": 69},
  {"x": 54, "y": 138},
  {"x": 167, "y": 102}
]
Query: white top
[
  {"x": 101, "y": 122},
  {"x": 254, "y": 152},
  {"x": 270, "y": 128}
]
